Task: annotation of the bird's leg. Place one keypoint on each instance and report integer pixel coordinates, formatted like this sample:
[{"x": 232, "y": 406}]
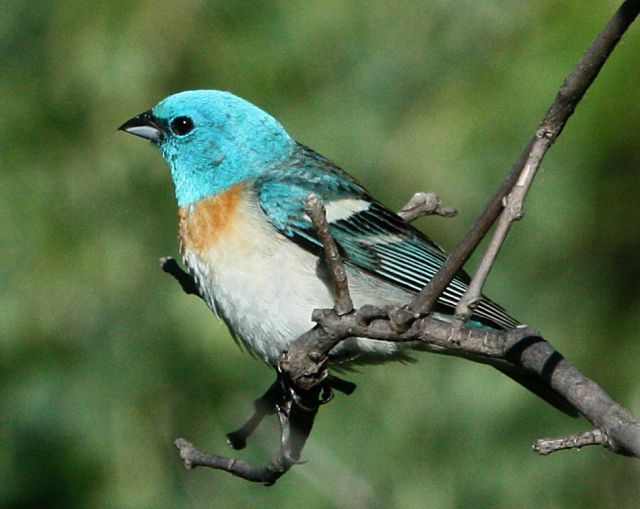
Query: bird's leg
[
  {"x": 296, "y": 418},
  {"x": 274, "y": 398},
  {"x": 263, "y": 406}
]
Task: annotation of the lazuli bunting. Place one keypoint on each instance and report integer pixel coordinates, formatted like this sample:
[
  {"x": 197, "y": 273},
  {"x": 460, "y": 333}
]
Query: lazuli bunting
[{"x": 241, "y": 183}]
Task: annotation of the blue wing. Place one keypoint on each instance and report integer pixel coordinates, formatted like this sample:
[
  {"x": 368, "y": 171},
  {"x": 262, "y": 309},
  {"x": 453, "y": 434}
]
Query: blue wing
[{"x": 369, "y": 236}]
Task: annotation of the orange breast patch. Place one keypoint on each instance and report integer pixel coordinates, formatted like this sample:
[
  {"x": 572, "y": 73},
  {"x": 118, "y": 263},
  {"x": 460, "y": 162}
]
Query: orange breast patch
[{"x": 203, "y": 224}]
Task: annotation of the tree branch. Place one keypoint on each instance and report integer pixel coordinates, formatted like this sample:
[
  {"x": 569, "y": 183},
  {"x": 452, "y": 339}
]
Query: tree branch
[
  {"x": 571, "y": 92},
  {"x": 522, "y": 347},
  {"x": 306, "y": 355},
  {"x": 303, "y": 376}
]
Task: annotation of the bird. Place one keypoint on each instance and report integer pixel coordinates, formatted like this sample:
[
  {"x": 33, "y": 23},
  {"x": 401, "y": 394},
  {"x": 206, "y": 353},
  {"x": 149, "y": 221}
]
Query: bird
[{"x": 241, "y": 183}]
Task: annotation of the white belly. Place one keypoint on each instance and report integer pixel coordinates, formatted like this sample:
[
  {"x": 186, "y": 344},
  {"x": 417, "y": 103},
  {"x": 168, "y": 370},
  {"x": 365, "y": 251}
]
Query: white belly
[
  {"x": 265, "y": 288},
  {"x": 265, "y": 294}
]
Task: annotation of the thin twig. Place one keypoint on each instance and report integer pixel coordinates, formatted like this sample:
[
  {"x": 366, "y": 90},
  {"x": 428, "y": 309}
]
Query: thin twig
[
  {"x": 186, "y": 281},
  {"x": 295, "y": 421},
  {"x": 513, "y": 207},
  {"x": 265, "y": 405},
  {"x": 571, "y": 92},
  {"x": 424, "y": 204},
  {"x": 316, "y": 212},
  {"x": 546, "y": 446}
]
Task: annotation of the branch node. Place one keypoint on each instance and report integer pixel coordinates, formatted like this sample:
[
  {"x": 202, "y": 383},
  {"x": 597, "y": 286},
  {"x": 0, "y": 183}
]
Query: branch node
[
  {"x": 401, "y": 318},
  {"x": 546, "y": 446},
  {"x": 315, "y": 356},
  {"x": 186, "y": 452},
  {"x": 367, "y": 313},
  {"x": 544, "y": 133},
  {"x": 320, "y": 315},
  {"x": 424, "y": 204}
]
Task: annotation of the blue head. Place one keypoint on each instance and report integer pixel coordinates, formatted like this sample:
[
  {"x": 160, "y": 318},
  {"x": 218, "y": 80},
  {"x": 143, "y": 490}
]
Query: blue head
[{"x": 211, "y": 140}]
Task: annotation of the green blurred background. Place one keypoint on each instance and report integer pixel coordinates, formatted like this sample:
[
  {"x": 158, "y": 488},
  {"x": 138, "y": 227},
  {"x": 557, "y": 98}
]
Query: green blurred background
[{"x": 104, "y": 361}]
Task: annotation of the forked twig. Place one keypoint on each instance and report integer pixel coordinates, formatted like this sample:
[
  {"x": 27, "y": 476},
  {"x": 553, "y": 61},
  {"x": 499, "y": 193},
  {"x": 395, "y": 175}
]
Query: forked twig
[
  {"x": 513, "y": 206},
  {"x": 571, "y": 92}
]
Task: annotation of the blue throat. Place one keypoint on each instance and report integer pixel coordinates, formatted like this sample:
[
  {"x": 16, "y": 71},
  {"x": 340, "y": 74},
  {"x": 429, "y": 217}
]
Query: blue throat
[
  {"x": 194, "y": 182},
  {"x": 206, "y": 173}
]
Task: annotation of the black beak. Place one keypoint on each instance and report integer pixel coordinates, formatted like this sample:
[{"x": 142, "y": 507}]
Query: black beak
[{"x": 145, "y": 125}]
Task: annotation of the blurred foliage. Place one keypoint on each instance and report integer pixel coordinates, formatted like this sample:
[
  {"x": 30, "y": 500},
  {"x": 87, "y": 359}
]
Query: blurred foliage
[{"x": 104, "y": 361}]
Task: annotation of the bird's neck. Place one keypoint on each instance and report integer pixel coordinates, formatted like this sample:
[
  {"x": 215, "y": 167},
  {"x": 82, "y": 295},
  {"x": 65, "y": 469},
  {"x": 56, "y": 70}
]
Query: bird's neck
[
  {"x": 192, "y": 185},
  {"x": 219, "y": 173}
]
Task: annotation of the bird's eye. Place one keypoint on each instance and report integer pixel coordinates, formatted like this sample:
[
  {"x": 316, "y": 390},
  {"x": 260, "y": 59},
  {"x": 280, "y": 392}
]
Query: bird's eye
[{"x": 181, "y": 125}]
